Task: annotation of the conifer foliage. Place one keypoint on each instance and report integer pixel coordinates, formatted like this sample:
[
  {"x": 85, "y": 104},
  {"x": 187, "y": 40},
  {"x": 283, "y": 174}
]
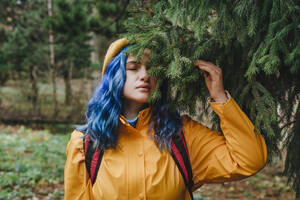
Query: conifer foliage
[
  {"x": 256, "y": 43},
  {"x": 23, "y": 49},
  {"x": 72, "y": 26},
  {"x": 110, "y": 14}
]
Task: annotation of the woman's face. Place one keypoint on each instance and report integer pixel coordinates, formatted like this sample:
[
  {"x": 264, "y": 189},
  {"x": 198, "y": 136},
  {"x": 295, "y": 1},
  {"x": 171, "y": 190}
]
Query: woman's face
[{"x": 139, "y": 84}]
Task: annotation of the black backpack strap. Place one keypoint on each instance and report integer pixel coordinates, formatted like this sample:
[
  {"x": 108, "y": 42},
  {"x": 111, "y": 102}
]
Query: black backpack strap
[
  {"x": 93, "y": 158},
  {"x": 180, "y": 155}
]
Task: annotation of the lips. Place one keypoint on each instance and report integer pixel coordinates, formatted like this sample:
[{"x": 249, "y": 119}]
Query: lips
[{"x": 146, "y": 86}]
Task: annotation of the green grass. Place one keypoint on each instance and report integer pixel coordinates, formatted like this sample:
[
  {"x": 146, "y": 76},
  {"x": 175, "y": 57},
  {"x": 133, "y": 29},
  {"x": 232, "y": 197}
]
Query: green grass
[{"x": 30, "y": 163}]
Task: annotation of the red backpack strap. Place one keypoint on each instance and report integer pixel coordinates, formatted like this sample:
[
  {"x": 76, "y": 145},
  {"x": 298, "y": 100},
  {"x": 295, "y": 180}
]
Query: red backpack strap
[
  {"x": 93, "y": 158},
  {"x": 180, "y": 155}
]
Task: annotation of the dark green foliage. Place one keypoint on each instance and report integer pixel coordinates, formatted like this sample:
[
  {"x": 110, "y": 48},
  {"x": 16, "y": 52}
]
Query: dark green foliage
[
  {"x": 109, "y": 17},
  {"x": 24, "y": 49},
  {"x": 71, "y": 27},
  {"x": 256, "y": 43},
  {"x": 23, "y": 40}
]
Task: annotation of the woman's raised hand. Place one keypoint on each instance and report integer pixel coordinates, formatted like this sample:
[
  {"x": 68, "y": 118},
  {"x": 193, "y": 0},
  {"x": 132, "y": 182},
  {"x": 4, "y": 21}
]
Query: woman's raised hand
[{"x": 213, "y": 79}]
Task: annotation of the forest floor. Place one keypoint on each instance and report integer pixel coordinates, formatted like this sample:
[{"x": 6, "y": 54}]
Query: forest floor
[{"x": 33, "y": 160}]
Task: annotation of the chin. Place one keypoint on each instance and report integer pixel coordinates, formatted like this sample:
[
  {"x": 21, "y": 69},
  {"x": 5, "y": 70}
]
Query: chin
[{"x": 142, "y": 99}]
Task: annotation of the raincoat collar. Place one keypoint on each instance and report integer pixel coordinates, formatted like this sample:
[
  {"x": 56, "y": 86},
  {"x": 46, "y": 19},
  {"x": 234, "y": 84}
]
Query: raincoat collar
[{"x": 143, "y": 119}]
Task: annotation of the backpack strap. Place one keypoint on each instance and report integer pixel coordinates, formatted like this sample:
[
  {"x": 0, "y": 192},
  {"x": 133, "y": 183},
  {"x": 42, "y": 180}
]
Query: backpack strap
[
  {"x": 93, "y": 158},
  {"x": 180, "y": 155}
]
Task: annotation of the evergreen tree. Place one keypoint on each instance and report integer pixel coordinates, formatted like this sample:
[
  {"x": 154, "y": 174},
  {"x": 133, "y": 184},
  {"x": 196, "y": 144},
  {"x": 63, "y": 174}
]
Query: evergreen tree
[
  {"x": 110, "y": 16},
  {"x": 256, "y": 43},
  {"x": 24, "y": 48},
  {"x": 8, "y": 16},
  {"x": 71, "y": 25}
]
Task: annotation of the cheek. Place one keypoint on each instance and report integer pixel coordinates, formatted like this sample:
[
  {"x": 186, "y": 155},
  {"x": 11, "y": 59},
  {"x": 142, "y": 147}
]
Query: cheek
[{"x": 128, "y": 83}]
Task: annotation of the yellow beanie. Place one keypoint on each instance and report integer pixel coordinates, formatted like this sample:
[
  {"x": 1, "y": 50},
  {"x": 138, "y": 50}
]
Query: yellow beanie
[{"x": 112, "y": 51}]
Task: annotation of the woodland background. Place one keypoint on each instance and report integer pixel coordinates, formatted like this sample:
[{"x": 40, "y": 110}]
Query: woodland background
[{"x": 51, "y": 54}]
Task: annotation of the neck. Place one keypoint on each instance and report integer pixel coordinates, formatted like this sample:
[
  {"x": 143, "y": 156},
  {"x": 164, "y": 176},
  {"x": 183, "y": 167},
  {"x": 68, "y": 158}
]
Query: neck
[{"x": 131, "y": 109}]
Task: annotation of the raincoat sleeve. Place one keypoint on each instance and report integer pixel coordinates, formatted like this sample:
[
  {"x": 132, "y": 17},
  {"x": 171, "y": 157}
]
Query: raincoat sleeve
[
  {"x": 233, "y": 154},
  {"x": 76, "y": 180}
]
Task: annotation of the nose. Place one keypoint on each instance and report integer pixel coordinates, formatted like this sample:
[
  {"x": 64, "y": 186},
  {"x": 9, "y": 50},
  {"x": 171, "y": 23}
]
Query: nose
[{"x": 143, "y": 73}]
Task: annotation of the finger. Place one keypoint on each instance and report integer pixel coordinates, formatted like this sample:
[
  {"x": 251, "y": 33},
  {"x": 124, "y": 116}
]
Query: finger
[
  {"x": 212, "y": 73},
  {"x": 206, "y": 63},
  {"x": 200, "y": 62},
  {"x": 207, "y": 77},
  {"x": 208, "y": 69},
  {"x": 206, "y": 74}
]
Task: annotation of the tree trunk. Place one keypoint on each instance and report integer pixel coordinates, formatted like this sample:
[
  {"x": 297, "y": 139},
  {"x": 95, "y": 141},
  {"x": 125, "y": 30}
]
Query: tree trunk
[
  {"x": 292, "y": 161},
  {"x": 68, "y": 88},
  {"x": 84, "y": 83},
  {"x": 34, "y": 90},
  {"x": 52, "y": 60}
]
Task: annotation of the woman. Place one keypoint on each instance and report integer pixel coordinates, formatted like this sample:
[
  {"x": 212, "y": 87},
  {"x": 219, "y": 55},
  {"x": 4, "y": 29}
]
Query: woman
[{"x": 135, "y": 137}]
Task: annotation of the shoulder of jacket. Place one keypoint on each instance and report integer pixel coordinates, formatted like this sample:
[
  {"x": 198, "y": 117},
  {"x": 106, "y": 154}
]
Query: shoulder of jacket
[
  {"x": 189, "y": 124},
  {"x": 76, "y": 134},
  {"x": 185, "y": 118},
  {"x": 76, "y": 141}
]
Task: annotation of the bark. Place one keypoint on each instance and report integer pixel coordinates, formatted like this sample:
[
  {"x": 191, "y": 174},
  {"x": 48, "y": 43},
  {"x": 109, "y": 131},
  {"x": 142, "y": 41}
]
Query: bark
[
  {"x": 52, "y": 60},
  {"x": 292, "y": 161},
  {"x": 68, "y": 87},
  {"x": 3, "y": 77},
  {"x": 34, "y": 90},
  {"x": 84, "y": 83}
]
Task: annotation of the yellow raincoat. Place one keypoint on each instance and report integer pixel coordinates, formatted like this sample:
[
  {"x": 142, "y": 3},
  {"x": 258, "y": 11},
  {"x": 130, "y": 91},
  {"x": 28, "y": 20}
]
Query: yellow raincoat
[{"x": 136, "y": 169}]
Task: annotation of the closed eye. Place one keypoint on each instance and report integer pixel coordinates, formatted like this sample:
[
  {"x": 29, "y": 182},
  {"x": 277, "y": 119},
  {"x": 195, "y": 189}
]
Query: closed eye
[{"x": 132, "y": 66}]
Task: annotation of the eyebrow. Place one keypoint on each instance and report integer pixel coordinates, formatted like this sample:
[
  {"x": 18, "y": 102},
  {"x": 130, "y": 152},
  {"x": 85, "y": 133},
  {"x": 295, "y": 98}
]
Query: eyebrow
[{"x": 132, "y": 62}]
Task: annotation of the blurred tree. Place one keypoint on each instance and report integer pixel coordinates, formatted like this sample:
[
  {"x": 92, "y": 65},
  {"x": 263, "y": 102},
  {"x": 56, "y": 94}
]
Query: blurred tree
[
  {"x": 107, "y": 23},
  {"x": 8, "y": 14},
  {"x": 110, "y": 16},
  {"x": 71, "y": 26},
  {"x": 256, "y": 43},
  {"x": 52, "y": 57},
  {"x": 24, "y": 49}
]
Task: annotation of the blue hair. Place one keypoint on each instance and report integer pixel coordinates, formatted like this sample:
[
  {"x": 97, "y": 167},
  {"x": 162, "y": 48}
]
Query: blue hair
[
  {"x": 105, "y": 106},
  {"x": 167, "y": 121}
]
